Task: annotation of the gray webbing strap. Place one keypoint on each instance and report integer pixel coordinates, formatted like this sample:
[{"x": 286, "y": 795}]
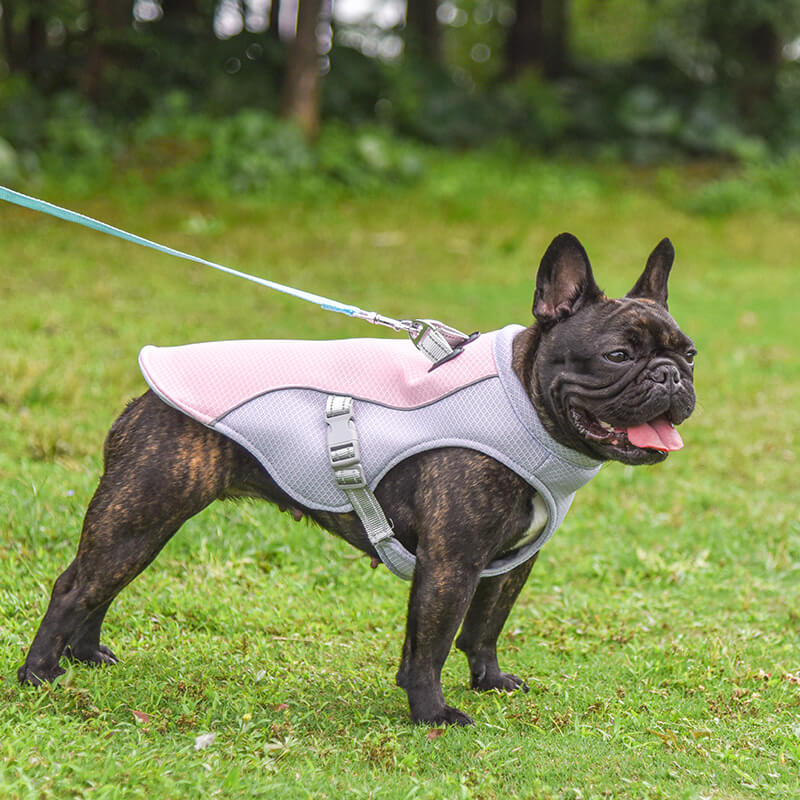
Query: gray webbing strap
[{"x": 345, "y": 458}]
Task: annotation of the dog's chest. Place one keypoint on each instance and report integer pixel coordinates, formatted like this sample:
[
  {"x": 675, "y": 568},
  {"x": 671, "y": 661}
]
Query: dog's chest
[{"x": 538, "y": 520}]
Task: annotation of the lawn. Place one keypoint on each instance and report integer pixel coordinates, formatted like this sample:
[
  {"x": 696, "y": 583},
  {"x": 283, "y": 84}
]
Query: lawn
[{"x": 658, "y": 631}]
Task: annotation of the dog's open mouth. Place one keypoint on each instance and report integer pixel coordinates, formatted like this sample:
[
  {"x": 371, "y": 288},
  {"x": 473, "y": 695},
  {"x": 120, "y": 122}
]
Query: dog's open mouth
[{"x": 658, "y": 434}]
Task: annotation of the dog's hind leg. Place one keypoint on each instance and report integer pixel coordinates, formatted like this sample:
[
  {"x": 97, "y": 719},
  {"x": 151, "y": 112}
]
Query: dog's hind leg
[
  {"x": 84, "y": 645},
  {"x": 161, "y": 468}
]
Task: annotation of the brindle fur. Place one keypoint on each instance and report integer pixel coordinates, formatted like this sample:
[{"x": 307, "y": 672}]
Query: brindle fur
[
  {"x": 455, "y": 508},
  {"x": 162, "y": 467}
]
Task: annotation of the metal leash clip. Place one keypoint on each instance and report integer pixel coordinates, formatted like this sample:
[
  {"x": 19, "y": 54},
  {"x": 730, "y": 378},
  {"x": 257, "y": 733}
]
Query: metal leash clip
[{"x": 439, "y": 342}]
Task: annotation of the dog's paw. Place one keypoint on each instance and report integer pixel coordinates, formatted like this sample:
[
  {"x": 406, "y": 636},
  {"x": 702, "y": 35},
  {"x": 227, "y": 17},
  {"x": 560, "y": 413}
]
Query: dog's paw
[
  {"x": 447, "y": 715},
  {"x": 494, "y": 679},
  {"x": 36, "y": 677},
  {"x": 95, "y": 655}
]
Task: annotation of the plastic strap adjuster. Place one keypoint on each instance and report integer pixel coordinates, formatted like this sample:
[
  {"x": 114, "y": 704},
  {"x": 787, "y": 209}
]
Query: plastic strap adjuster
[
  {"x": 352, "y": 478},
  {"x": 345, "y": 459},
  {"x": 343, "y": 450}
]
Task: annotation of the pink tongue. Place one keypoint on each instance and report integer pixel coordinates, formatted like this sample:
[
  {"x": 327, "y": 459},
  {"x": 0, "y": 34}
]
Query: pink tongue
[{"x": 658, "y": 434}]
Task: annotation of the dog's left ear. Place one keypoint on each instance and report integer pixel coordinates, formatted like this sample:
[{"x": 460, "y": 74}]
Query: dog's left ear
[
  {"x": 652, "y": 285},
  {"x": 564, "y": 282}
]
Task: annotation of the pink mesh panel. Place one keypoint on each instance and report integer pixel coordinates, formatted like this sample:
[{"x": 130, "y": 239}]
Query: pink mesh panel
[{"x": 208, "y": 380}]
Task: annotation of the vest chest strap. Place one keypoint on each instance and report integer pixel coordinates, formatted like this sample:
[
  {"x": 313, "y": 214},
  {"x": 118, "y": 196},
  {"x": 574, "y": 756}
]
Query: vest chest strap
[{"x": 345, "y": 459}]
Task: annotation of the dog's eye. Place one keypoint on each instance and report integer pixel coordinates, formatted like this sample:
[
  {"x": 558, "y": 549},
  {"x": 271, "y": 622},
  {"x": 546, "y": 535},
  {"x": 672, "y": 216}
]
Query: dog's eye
[
  {"x": 617, "y": 356},
  {"x": 690, "y": 354}
]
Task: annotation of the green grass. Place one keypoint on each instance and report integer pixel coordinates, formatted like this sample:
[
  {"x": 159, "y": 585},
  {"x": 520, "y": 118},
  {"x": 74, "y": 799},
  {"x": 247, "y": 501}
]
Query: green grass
[{"x": 659, "y": 629}]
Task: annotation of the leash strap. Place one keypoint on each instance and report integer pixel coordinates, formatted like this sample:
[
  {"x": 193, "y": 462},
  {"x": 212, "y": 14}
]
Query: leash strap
[{"x": 439, "y": 342}]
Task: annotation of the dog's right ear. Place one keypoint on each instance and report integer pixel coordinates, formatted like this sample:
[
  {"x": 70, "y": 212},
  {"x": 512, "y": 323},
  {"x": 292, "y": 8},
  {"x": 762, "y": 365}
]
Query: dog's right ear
[{"x": 565, "y": 282}]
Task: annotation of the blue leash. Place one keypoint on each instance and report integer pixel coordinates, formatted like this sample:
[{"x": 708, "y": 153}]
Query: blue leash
[
  {"x": 326, "y": 303},
  {"x": 439, "y": 342}
]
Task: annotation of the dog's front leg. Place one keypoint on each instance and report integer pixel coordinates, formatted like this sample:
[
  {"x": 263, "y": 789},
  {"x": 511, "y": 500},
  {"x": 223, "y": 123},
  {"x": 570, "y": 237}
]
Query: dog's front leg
[
  {"x": 485, "y": 618},
  {"x": 440, "y": 594}
]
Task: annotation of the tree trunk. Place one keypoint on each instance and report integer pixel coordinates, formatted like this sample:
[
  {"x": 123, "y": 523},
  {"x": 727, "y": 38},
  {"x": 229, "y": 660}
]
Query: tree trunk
[
  {"x": 301, "y": 85},
  {"x": 35, "y": 41},
  {"x": 9, "y": 38},
  {"x": 108, "y": 21},
  {"x": 274, "y": 19},
  {"x": 749, "y": 57},
  {"x": 538, "y": 38},
  {"x": 182, "y": 8},
  {"x": 524, "y": 42},
  {"x": 187, "y": 20},
  {"x": 424, "y": 30},
  {"x": 555, "y": 50}
]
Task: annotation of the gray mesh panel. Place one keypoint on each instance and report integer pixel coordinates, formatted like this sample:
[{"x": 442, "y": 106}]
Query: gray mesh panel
[{"x": 286, "y": 431}]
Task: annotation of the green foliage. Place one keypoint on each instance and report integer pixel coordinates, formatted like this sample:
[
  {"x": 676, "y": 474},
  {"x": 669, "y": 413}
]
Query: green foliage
[
  {"x": 10, "y": 171},
  {"x": 650, "y": 112},
  {"x": 220, "y": 76},
  {"x": 771, "y": 186},
  {"x": 57, "y": 133},
  {"x": 368, "y": 156},
  {"x": 693, "y": 79},
  {"x": 251, "y": 150},
  {"x": 354, "y": 86},
  {"x": 425, "y": 102}
]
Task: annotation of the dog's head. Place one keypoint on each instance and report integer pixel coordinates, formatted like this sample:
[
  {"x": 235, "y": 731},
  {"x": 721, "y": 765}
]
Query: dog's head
[{"x": 609, "y": 378}]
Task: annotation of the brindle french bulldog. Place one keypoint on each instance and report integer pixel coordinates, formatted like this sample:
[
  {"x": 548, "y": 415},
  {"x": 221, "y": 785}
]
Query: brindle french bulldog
[{"x": 609, "y": 378}]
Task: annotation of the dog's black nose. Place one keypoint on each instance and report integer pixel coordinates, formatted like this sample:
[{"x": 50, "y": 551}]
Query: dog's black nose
[{"x": 667, "y": 374}]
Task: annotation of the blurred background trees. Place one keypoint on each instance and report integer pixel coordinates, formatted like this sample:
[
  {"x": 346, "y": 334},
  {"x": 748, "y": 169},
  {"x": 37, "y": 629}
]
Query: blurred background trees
[{"x": 643, "y": 81}]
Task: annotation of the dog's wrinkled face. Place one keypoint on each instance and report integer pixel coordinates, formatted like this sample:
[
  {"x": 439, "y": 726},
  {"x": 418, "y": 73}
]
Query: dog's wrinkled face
[{"x": 610, "y": 378}]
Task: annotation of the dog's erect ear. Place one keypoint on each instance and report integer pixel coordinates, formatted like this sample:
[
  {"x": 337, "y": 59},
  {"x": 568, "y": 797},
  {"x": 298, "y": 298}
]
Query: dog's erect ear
[
  {"x": 564, "y": 282},
  {"x": 652, "y": 285}
]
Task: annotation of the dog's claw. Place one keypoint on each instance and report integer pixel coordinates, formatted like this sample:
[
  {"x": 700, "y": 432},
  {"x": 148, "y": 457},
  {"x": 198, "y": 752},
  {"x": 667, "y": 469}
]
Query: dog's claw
[
  {"x": 447, "y": 716},
  {"x": 36, "y": 677},
  {"x": 502, "y": 681},
  {"x": 97, "y": 656}
]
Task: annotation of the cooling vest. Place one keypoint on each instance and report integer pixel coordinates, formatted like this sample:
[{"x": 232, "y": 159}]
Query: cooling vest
[{"x": 269, "y": 396}]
